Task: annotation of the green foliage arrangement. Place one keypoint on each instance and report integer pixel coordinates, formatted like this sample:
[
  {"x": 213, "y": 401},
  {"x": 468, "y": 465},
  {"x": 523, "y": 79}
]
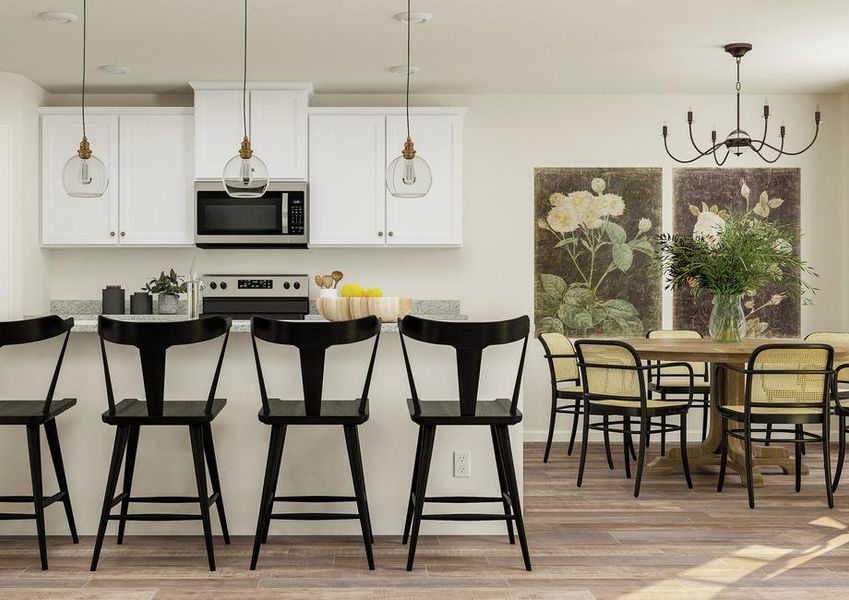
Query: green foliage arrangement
[{"x": 166, "y": 284}]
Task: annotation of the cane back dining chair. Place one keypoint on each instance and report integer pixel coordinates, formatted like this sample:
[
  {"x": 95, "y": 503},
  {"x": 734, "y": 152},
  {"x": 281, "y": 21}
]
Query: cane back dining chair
[
  {"x": 786, "y": 384},
  {"x": 674, "y": 382},
  {"x": 312, "y": 341},
  {"x": 37, "y": 413},
  {"x": 566, "y": 385},
  {"x": 469, "y": 340},
  {"x": 153, "y": 339},
  {"x": 612, "y": 375}
]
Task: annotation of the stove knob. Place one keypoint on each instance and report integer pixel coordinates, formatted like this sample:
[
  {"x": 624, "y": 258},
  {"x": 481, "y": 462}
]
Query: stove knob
[
  {"x": 286, "y": 285},
  {"x": 212, "y": 285},
  {"x": 297, "y": 285},
  {"x": 223, "y": 285}
]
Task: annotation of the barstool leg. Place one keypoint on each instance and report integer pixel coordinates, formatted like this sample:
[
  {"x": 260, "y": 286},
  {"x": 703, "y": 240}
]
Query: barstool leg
[
  {"x": 421, "y": 490},
  {"x": 362, "y": 472},
  {"x": 359, "y": 493},
  {"x": 411, "y": 506},
  {"x": 212, "y": 465},
  {"x": 502, "y": 481},
  {"x": 196, "y": 435},
  {"x": 121, "y": 433},
  {"x": 59, "y": 467},
  {"x": 266, "y": 501},
  {"x": 507, "y": 453},
  {"x": 34, "y": 446},
  {"x": 129, "y": 468},
  {"x": 275, "y": 478}
]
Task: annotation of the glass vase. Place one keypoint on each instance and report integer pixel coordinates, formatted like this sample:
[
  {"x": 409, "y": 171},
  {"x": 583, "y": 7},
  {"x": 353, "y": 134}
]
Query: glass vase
[{"x": 727, "y": 321}]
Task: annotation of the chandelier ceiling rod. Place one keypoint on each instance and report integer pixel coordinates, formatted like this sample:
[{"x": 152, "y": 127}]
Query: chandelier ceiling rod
[{"x": 738, "y": 140}]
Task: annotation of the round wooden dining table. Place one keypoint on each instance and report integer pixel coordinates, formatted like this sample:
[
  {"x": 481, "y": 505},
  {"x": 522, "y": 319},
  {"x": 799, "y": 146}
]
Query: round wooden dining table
[{"x": 727, "y": 385}]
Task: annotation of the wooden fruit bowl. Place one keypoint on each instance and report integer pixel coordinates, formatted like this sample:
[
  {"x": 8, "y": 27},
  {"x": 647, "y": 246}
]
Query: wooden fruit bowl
[{"x": 388, "y": 309}]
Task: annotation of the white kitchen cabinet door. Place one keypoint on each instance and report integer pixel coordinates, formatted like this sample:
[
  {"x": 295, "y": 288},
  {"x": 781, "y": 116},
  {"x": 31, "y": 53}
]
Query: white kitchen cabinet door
[
  {"x": 218, "y": 130},
  {"x": 278, "y": 131},
  {"x": 437, "y": 218},
  {"x": 78, "y": 221},
  {"x": 347, "y": 158},
  {"x": 156, "y": 192}
]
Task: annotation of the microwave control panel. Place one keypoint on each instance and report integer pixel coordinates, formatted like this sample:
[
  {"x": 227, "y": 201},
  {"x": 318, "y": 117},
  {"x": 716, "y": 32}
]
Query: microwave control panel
[{"x": 296, "y": 214}]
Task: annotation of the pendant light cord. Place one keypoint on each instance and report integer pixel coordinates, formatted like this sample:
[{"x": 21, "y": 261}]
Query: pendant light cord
[
  {"x": 409, "y": 14},
  {"x": 82, "y": 100},
  {"x": 245, "y": 76}
]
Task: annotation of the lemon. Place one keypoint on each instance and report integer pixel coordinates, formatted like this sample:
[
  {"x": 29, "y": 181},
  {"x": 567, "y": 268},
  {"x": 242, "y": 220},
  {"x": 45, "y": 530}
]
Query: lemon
[
  {"x": 374, "y": 293},
  {"x": 352, "y": 290}
]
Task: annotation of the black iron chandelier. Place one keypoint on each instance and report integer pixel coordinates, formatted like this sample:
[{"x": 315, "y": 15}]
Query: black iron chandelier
[{"x": 738, "y": 141}]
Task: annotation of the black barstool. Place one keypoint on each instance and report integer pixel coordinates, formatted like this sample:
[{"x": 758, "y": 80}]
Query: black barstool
[
  {"x": 312, "y": 341},
  {"x": 469, "y": 340},
  {"x": 128, "y": 415},
  {"x": 34, "y": 414}
]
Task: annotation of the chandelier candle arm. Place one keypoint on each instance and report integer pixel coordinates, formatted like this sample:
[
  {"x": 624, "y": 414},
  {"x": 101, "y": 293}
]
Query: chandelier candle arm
[{"x": 738, "y": 141}]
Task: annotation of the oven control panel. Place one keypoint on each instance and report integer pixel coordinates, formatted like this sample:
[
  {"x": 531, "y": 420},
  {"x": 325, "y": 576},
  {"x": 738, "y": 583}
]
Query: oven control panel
[{"x": 253, "y": 286}]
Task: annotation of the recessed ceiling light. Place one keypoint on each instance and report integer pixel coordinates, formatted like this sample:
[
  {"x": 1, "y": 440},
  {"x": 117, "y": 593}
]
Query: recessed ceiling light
[
  {"x": 57, "y": 17},
  {"x": 402, "y": 69},
  {"x": 416, "y": 18},
  {"x": 115, "y": 69}
]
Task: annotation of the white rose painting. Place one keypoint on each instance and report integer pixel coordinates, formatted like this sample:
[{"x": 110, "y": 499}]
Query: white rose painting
[
  {"x": 594, "y": 234},
  {"x": 703, "y": 199}
]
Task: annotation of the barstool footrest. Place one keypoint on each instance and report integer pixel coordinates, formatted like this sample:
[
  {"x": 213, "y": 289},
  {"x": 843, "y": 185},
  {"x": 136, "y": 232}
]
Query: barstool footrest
[
  {"x": 15, "y": 516},
  {"x": 468, "y": 517},
  {"x": 47, "y": 500},
  {"x": 315, "y": 498},
  {"x": 167, "y": 499},
  {"x": 314, "y": 516},
  {"x": 466, "y": 499},
  {"x": 155, "y": 517}
]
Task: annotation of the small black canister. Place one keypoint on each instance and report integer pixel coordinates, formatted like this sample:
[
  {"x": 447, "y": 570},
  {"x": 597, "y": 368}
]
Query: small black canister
[
  {"x": 141, "y": 303},
  {"x": 112, "y": 302}
]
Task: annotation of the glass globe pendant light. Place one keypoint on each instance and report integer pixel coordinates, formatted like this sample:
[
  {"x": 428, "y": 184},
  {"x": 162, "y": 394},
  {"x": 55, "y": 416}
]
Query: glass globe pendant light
[
  {"x": 409, "y": 175},
  {"x": 84, "y": 175},
  {"x": 245, "y": 175}
]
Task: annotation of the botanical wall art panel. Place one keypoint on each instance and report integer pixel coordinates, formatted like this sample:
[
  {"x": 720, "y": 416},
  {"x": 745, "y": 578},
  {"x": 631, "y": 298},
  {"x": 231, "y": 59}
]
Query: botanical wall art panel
[
  {"x": 594, "y": 234},
  {"x": 702, "y": 198}
]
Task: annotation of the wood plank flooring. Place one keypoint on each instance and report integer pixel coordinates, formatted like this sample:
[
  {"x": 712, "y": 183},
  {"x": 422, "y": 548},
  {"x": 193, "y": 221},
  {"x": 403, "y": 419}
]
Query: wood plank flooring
[{"x": 593, "y": 542}]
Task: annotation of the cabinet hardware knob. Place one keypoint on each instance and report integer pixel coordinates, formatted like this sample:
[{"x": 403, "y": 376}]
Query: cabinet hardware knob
[
  {"x": 123, "y": 233},
  {"x": 391, "y": 233},
  {"x": 380, "y": 234},
  {"x": 112, "y": 234}
]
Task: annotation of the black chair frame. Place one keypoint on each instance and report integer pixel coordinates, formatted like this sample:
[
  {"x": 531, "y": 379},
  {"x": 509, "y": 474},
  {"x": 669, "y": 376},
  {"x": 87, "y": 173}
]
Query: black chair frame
[
  {"x": 843, "y": 428},
  {"x": 700, "y": 399},
  {"x": 799, "y": 438},
  {"x": 468, "y": 339},
  {"x": 14, "y": 412},
  {"x": 643, "y": 413},
  {"x": 153, "y": 341},
  {"x": 312, "y": 341}
]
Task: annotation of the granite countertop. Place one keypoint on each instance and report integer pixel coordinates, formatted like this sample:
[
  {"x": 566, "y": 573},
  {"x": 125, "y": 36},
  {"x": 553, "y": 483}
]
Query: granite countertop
[{"x": 85, "y": 313}]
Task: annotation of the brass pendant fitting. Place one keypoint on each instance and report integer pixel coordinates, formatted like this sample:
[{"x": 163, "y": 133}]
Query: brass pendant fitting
[
  {"x": 85, "y": 149},
  {"x": 409, "y": 152},
  {"x": 245, "y": 151}
]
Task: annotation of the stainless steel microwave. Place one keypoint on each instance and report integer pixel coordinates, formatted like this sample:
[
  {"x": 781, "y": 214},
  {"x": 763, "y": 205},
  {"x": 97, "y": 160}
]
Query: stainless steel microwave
[{"x": 277, "y": 219}]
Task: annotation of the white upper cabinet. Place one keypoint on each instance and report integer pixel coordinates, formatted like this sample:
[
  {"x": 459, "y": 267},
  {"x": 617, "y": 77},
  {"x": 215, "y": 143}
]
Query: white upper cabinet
[
  {"x": 83, "y": 221},
  {"x": 149, "y": 200},
  {"x": 156, "y": 191},
  {"x": 347, "y": 157},
  {"x": 435, "y": 219},
  {"x": 277, "y": 125},
  {"x": 350, "y": 149}
]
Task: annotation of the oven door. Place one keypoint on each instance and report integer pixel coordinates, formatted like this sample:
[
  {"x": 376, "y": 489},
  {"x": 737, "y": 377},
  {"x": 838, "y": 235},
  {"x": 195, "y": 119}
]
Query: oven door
[{"x": 276, "y": 219}]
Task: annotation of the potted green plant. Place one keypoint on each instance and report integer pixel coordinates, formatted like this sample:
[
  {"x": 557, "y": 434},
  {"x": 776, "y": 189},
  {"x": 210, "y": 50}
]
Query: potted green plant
[
  {"x": 168, "y": 287},
  {"x": 731, "y": 256}
]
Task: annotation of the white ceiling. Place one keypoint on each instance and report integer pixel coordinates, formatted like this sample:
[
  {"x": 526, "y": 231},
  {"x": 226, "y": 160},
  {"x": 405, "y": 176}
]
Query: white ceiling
[{"x": 470, "y": 46}]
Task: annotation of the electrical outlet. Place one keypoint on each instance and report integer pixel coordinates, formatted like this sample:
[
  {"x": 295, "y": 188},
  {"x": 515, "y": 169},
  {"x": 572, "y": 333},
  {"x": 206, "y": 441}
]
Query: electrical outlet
[{"x": 462, "y": 463}]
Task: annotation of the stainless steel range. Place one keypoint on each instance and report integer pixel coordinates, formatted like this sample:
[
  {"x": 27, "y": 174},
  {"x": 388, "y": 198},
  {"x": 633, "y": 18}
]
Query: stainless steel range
[{"x": 243, "y": 296}]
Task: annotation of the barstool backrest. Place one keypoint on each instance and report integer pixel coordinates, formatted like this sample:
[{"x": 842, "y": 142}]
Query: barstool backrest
[
  {"x": 312, "y": 339},
  {"x": 39, "y": 329},
  {"x": 153, "y": 340},
  {"x": 469, "y": 339}
]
